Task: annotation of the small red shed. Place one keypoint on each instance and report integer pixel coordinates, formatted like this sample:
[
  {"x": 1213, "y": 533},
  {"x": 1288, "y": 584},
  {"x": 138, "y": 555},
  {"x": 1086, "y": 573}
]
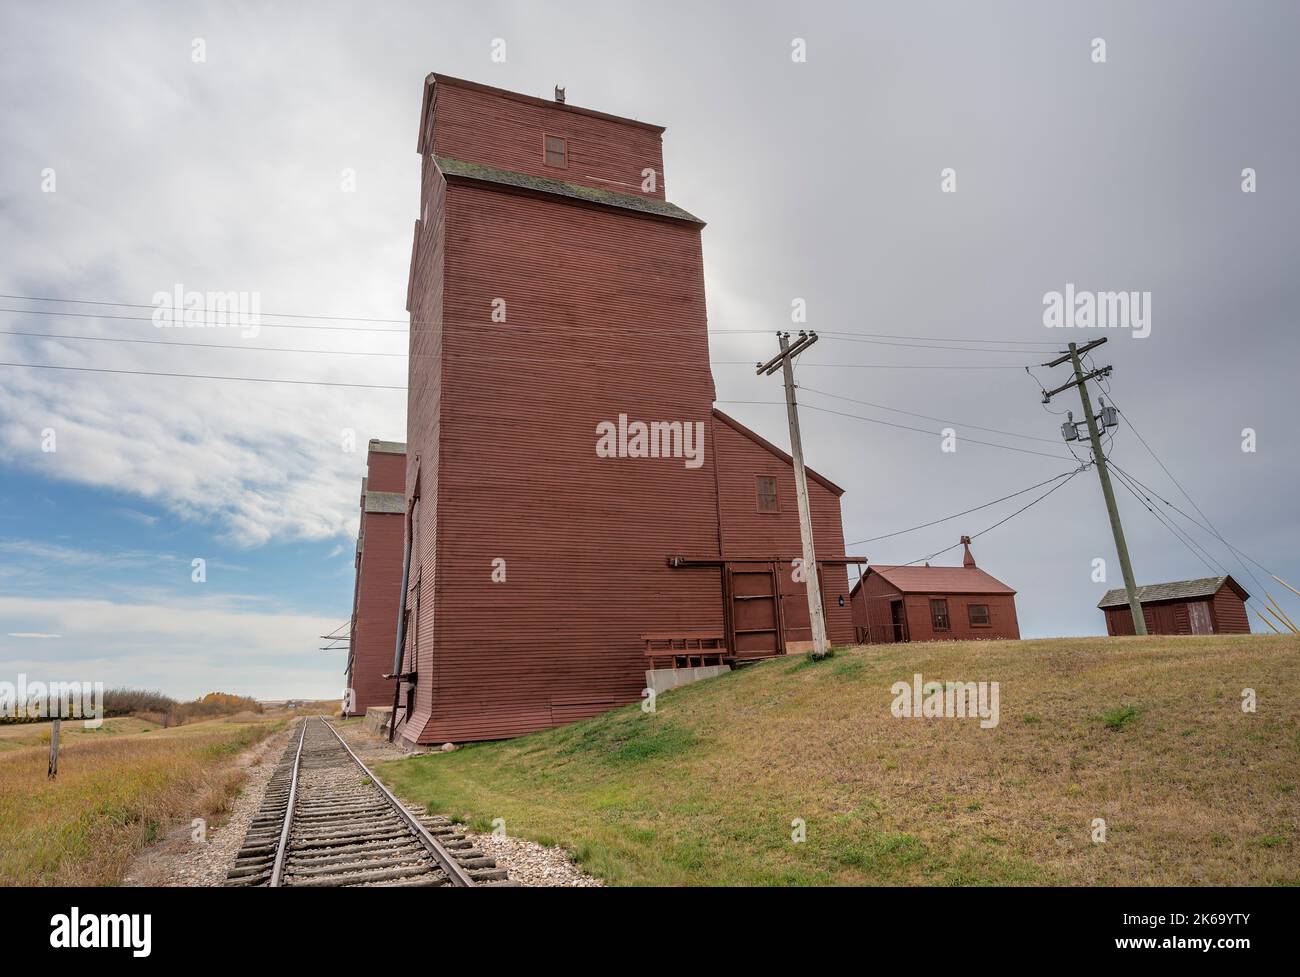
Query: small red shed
[
  {"x": 1210, "y": 605},
  {"x": 908, "y": 603}
]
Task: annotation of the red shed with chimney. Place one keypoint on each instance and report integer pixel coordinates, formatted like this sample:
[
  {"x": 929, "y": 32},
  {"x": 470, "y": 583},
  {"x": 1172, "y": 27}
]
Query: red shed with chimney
[
  {"x": 909, "y": 603},
  {"x": 1210, "y": 605},
  {"x": 378, "y": 586},
  {"x": 576, "y": 507}
]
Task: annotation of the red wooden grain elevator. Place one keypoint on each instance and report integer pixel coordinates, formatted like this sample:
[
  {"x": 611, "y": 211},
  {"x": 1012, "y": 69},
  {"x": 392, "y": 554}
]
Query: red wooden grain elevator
[
  {"x": 378, "y": 587},
  {"x": 555, "y": 291},
  {"x": 909, "y": 603}
]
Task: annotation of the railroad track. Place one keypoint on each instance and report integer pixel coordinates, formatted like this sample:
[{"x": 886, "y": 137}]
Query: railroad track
[{"x": 326, "y": 820}]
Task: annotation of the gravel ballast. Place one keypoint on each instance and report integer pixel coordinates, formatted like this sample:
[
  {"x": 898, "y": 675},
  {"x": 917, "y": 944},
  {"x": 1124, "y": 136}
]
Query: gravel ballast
[{"x": 180, "y": 861}]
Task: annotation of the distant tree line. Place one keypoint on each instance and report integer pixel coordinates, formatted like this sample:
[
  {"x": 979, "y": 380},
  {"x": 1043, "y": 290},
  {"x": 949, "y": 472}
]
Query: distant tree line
[
  {"x": 163, "y": 709},
  {"x": 158, "y": 708}
]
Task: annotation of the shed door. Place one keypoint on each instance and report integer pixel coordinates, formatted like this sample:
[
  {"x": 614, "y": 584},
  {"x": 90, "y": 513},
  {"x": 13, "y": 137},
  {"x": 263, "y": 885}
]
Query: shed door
[
  {"x": 897, "y": 621},
  {"x": 754, "y": 611},
  {"x": 1199, "y": 613}
]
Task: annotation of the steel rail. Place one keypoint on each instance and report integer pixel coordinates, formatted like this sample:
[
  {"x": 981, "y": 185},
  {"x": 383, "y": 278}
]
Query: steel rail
[
  {"x": 277, "y": 871},
  {"x": 455, "y": 873}
]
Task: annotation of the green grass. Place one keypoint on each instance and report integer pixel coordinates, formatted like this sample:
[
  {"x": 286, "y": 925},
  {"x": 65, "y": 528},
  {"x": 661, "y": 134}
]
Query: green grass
[
  {"x": 708, "y": 789},
  {"x": 1119, "y": 717}
]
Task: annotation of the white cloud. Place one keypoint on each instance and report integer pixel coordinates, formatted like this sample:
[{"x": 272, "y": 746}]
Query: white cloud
[
  {"x": 187, "y": 178},
  {"x": 185, "y": 651},
  {"x": 143, "y": 518}
]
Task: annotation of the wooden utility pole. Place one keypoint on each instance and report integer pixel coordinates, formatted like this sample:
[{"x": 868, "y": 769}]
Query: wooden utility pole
[
  {"x": 1103, "y": 472},
  {"x": 816, "y": 615}
]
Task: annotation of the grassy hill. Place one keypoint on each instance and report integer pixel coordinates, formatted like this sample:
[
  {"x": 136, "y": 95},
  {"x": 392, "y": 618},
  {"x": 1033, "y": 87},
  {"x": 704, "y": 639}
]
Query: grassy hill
[{"x": 1146, "y": 733}]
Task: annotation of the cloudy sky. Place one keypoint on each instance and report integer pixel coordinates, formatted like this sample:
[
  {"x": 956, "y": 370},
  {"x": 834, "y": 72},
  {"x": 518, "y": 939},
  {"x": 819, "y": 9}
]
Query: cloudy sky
[{"x": 206, "y": 146}]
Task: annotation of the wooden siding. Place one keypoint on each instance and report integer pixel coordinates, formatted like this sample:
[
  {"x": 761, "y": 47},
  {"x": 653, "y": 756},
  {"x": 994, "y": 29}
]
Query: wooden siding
[
  {"x": 424, "y": 435},
  {"x": 479, "y": 125},
  {"x": 589, "y": 296},
  {"x": 748, "y": 533},
  {"x": 605, "y": 315},
  {"x": 872, "y": 614},
  {"x": 378, "y": 587},
  {"x": 386, "y": 472},
  {"x": 1227, "y": 615},
  {"x": 1002, "y": 618},
  {"x": 374, "y": 627}
]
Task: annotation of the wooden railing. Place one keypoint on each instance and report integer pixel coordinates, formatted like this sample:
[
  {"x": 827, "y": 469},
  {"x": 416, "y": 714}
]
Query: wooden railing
[{"x": 684, "y": 649}]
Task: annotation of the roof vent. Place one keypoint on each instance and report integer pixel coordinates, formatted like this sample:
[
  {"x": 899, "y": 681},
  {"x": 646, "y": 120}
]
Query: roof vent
[
  {"x": 559, "y": 94},
  {"x": 967, "y": 560}
]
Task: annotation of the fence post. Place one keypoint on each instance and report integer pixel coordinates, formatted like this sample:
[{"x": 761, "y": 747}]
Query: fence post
[{"x": 54, "y": 749}]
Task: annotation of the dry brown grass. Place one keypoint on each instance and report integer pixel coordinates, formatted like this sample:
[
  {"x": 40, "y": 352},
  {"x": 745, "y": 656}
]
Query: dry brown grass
[
  {"x": 1193, "y": 790},
  {"x": 14, "y": 736},
  {"x": 117, "y": 790}
]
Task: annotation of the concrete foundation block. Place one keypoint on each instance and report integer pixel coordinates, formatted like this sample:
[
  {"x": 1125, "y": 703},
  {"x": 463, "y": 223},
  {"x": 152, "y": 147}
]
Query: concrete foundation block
[{"x": 663, "y": 679}]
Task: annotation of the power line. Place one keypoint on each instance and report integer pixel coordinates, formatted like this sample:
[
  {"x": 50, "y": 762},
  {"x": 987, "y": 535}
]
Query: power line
[
  {"x": 886, "y": 366},
  {"x": 1187, "y": 496},
  {"x": 904, "y": 427},
  {"x": 860, "y": 336},
  {"x": 850, "y": 338},
  {"x": 531, "y": 358},
  {"x": 1180, "y": 536},
  {"x": 167, "y": 342},
  {"x": 1000, "y": 521},
  {"x": 132, "y": 305},
  {"x": 204, "y": 376},
  {"x": 285, "y": 325},
  {"x": 1239, "y": 553},
  {"x": 937, "y": 339},
  {"x": 1197, "y": 550},
  {"x": 942, "y": 420},
  {"x": 964, "y": 512},
  {"x": 386, "y": 386},
  {"x": 148, "y": 318},
  {"x": 1209, "y": 560}
]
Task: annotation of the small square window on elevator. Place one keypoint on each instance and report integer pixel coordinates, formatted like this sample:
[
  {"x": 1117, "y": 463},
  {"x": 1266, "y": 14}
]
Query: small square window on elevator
[
  {"x": 765, "y": 490},
  {"x": 556, "y": 149}
]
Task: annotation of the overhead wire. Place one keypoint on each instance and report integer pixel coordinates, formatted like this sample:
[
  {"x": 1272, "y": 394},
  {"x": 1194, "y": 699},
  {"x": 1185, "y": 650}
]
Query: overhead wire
[
  {"x": 904, "y": 427},
  {"x": 1000, "y": 522},
  {"x": 964, "y": 512}
]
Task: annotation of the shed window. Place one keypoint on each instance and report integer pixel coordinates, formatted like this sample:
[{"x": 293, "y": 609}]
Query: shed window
[
  {"x": 557, "y": 151},
  {"x": 939, "y": 613},
  {"x": 765, "y": 487},
  {"x": 979, "y": 615}
]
